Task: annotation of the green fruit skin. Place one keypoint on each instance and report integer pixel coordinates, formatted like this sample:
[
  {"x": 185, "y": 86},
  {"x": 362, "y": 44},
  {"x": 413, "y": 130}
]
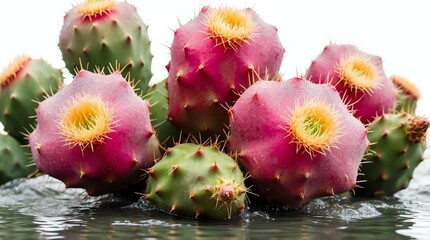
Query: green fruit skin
[
  {"x": 166, "y": 132},
  {"x": 14, "y": 161},
  {"x": 405, "y": 102},
  {"x": 19, "y": 98},
  {"x": 187, "y": 170},
  {"x": 391, "y": 159},
  {"x": 116, "y": 37}
]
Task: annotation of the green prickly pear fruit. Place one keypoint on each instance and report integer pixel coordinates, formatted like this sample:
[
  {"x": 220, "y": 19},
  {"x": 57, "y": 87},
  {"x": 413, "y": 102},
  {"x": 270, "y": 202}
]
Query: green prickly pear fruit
[
  {"x": 166, "y": 132},
  {"x": 398, "y": 144},
  {"x": 24, "y": 83},
  {"x": 104, "y": 34},
  {"x": 407, "y": 94},
  {"x": 197, "y": 181},
  {"x": 14, "y": 162}
]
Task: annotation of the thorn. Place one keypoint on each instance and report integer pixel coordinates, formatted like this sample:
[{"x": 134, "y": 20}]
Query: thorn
[
  {"x": 378, "y": 155},
  {"x": 175, "y": 169},
  {"x": 404, "y": 149},
  {"x": 214, "y": 167},
  {"x": 157, "y": 189},
  {"x": 232, "y": 87},
  {"x": 169, "y": 151},
  {"x": 187, "y": 107},
  {"x": 147, "y": 197},
  {"x": 192, "y": 195},
  {"x": 306, "y": 175},
  {"x": 301, "y": 195},
  {"x": 208, "y": 189},
  {"x": 231, "y": 114},
  {"x": 406, "y": 165},
  {"x": 128, "y": 39},
  {"x": 178, "y": 76},
  {"x": 197, "y": 213},
  {"x": 38, "y": 146},
  {"x": 199, "y": 152},
  {"x": 277, "y": 177},
  {"x": 110, "y": 179},
  {"x": 173, "y": 208},
  {"x": 151, "y": 173},
  {"x": 186, "y": 49},
  {"x": 383, "y": 176}
]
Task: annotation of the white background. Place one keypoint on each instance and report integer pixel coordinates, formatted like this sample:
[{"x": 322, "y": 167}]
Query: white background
[{"x": 398, "y": 31}]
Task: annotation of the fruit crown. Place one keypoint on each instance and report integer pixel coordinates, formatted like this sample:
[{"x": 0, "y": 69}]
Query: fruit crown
[
  {"x": 93, "y": 8},
  {"x": 12, "y": 70},
  {"x": 230, "y": 27},
  {"x": 86, "y": 121},
  {"x": 313, "y": 126},
  {"x": 405, "y": 85},
  {"x": 358, "y": 72}
]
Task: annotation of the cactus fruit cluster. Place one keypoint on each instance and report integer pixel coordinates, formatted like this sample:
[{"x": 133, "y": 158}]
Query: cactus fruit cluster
[
  {"x": 97, "y": 138},
  {"x": 197, "y": 181},
  {"x": 224, "y": 124},
  {"x": 23, "y": 84},
  {"x": 107, "y": 34},
  {"x": 213, "y": 57}
]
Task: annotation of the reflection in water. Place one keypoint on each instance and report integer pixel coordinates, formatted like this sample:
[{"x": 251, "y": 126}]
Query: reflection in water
[
  {"x": 41, "y": 208},
  {"x": 416, "y": 198}
]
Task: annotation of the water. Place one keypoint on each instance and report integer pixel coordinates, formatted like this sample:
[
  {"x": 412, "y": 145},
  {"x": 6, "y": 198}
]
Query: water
[{"x": 41, "y": 208}]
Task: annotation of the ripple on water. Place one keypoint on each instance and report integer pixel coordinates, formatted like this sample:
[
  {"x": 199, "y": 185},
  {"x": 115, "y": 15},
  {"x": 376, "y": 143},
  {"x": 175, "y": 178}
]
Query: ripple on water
[{"x": 343, "y": 210}]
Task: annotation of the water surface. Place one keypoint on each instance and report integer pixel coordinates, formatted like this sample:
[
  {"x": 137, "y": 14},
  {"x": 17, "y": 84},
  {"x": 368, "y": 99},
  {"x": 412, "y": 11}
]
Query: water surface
[{"x": 40, "y": 208}]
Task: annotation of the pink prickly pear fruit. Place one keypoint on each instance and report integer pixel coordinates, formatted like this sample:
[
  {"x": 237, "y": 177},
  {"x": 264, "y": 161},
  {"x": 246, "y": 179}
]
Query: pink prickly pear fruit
[
  {"x": 359, "y": 78},
  {"x": 214, "y": 56},
  {"x": 297, "y": 141},
  {"x": 94, "y": 133}
]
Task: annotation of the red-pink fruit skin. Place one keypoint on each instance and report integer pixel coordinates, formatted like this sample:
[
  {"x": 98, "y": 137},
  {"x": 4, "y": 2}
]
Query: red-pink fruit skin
[
  {"x": 112, "y": 166},
  {"x": 204, "y": 76},
  {"x": 366, "y": 104},
  {"x": 278, "y": 172}
]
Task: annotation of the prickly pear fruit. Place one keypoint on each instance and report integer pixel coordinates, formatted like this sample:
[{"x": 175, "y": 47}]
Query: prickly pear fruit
[
  {"x": 104, "y": 34},
  {"x": 95, "y": 134},
  {"x": 407, "y": 94},
  {"x": 398, "y": 144},
  {"x": 23, "y": 83},
  {"x": 14, "y": 161},
  {"x": 197, "y": 181},
  {"x": 297, "y": 140},
  {"x": 358, "y": 77},
  {"x": 213, "y": 57},
  {"x": 166, "y": 132}
]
